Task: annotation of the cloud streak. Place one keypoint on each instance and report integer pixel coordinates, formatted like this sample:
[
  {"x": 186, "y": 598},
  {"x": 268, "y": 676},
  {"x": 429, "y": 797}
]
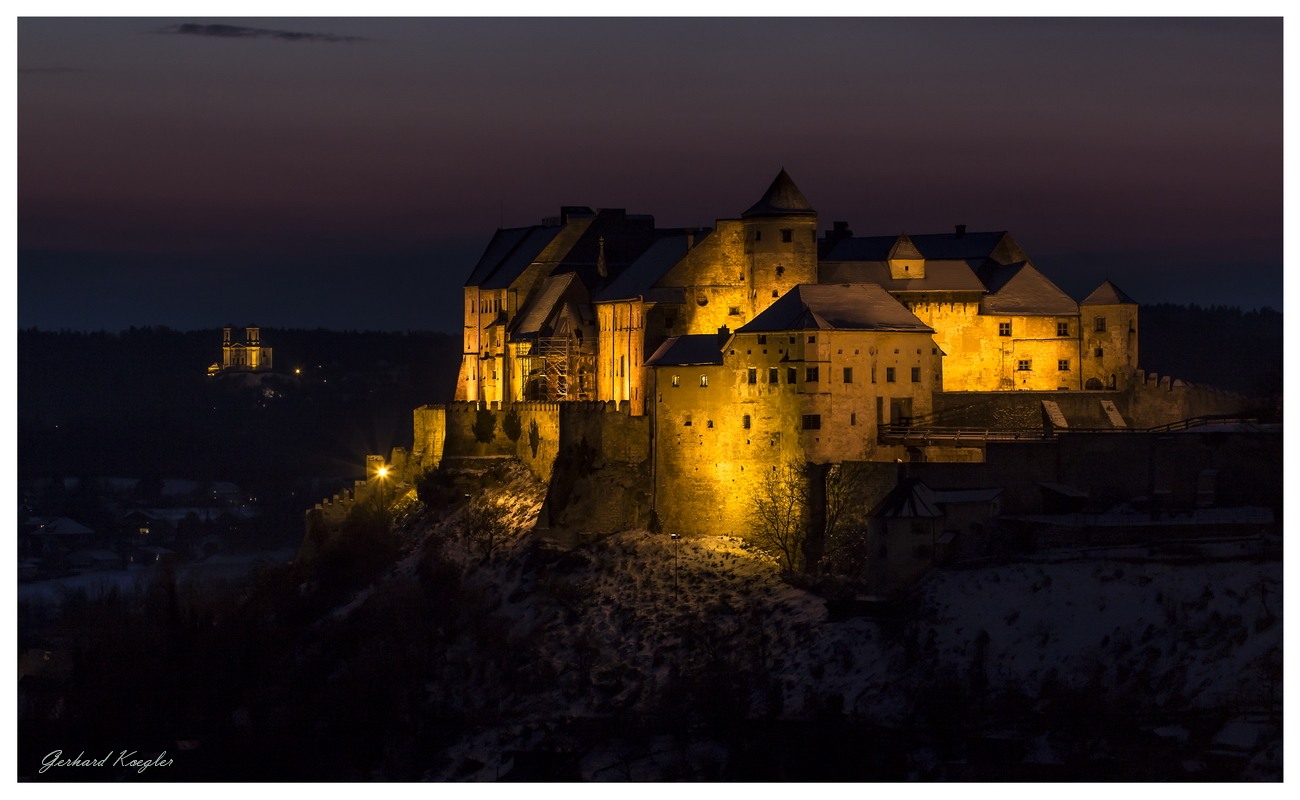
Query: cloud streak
[{"x": 241, "y": 32}]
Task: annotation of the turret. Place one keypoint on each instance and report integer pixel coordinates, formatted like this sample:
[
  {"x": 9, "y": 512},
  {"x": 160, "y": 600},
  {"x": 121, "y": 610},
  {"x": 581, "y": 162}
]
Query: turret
[
  {"x": 1108, "y": 329},
  {"x": 905, "y": 261},
  {"x": 781, "y": 241}
]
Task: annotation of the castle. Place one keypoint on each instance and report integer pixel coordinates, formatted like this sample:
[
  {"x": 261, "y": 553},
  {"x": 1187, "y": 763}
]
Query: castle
[{"x": 655, "y": 376}]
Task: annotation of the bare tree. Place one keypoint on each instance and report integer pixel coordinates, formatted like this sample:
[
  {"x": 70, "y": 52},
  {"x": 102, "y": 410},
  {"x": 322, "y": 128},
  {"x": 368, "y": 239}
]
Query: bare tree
[
  {"x": 847, "y": 493},
  {"x": 484, "y": 526},
  {"x": 779, "y": 505}
]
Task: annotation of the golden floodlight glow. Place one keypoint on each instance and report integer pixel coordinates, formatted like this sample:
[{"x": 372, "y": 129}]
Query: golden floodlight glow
[{"x": 383, "y": 471}]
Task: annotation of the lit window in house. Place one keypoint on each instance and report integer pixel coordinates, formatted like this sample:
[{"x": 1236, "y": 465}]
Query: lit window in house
[
  {"x": 1004, "y": 329},
  {"x": 812, "y": 422},
  {"x": 1100, "y": 324},
  {"x": 1062, "y": 329},
  {"x": 811, "y": 374},
  {"x": 771, "y": 375},
  {"x": 744, "y": 421},
  {"x": 752, "y": 376},
  {"x": 916, "y": 374},
  {"x": 848, "y": 374},
  {"x": 1063, "y": 365},
  {"x": 704, "y": 380},
  {"x": 677, "y": 380},
  {"x": 1024, "y": 365},
  {"x": 889, "y": 374},
  {"x": 787, "y": 235}
]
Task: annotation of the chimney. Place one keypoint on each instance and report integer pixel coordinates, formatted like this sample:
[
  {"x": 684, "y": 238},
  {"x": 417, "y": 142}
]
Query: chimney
[
  {"x": 601, "y": 268},
  {"x": 961, "y": 231},
  {"x": 723, "y": 335}
]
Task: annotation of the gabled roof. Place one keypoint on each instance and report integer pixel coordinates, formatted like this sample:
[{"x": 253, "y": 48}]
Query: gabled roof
[
  {"x": 509, "y": 253},
  {"x": 531, "y": 320},
  {"x": 696, "y": 348},
  {"x": 62, "y": 526},
  {"x": 904, "y": 248},
  {"x": 782, "y": 198},
  {"x": 910, "y": 498},
  {"x": 940, "y": 276},
  {"x": 642, "y": 274},
  {"x": 929, "y": 245},
  {"x": 845, "y": 306},
  {"x": 1108, "y": 294},
  {"x": 1020, "y": 289}
]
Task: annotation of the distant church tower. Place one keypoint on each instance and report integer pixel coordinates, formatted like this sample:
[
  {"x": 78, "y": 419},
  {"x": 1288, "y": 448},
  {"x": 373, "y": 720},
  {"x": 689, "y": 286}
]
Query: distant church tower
[
  {"x": 781, "y": 243},
  {"x": 249, "y": 356}
]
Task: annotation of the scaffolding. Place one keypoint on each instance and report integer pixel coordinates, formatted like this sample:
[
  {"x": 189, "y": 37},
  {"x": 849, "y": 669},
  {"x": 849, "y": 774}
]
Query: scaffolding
[{"x": 560, "y": 369}]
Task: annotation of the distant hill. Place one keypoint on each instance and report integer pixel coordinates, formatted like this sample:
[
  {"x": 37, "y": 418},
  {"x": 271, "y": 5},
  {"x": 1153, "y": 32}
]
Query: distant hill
[{"x": 1222, "y": 346}]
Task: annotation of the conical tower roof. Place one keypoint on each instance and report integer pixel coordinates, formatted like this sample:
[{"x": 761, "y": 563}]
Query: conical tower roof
[
  {"x": 904, "y": 248},
  {"x": 782, "y": 198},
  {"x": 1108, "y": 294}
]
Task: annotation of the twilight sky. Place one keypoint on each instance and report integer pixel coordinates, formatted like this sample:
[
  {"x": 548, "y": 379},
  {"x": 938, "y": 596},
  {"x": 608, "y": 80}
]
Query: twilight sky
[{"x": 345, "y": 173}]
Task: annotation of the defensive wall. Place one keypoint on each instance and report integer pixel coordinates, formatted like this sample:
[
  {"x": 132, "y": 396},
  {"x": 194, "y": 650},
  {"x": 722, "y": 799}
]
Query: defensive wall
[
  {"x": 1150, "y": 400},
  {"x": 1113, "y": 467}
]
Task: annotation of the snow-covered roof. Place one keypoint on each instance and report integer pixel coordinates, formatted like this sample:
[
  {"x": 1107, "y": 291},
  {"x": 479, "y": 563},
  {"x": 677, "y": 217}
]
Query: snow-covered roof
[
  {"x": 1108, "y": 294},
  {"x": 62, "y": 526},
  {"x": 1021, "y": 290},
  {"x": 910, "y": 498},
  {"x": 846, "y": 306},
  {"x": 940, "y": 276}
]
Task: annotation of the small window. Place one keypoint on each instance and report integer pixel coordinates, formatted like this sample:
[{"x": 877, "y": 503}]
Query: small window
[
  {"x": 873, "y": 373},
  {"x": 791, "y": 340},
  {"x": 752, "y": 375},
  {"x": 1004, "y": 329},
  {"x": 762, "y": 338},
  {"x": 670, "y": 321},
  {"x": 791, "y": 376},
  {"x": 758, "y": 236},
  {"x": 733, "y": 311},
  {"x": 889, "y": 374},
  {"x": 677, "y": 380},
  {"x": 787, "y": 235},
  {"x": 1063, "y": 365},
  {"x": 848, "y": 374},
  {"x": 1100, "y": 324},
  {"x": 1062, "y": 329},
  {"x": 622, "y": 365},
  {"x": 853, "y": 419},
  {"x": 780, "y": 271},
  {"x": 812, "y": 340},
  {"x": 686, "y": 421},
  {"x": 1099, "y": 352},
  {"x": 810, "y": 374},
  {"x": 916, "y": 374},
  {"x": 774, "y": 294},
  {"x": 771, "y": 375},
  {"x": 744, "y": 421},
  {"x": 1024, "y": 365},
  {"x": 812, "y": 422},
  {"x": 709, "y": 424},
  {"x": 704, "y": 380}
]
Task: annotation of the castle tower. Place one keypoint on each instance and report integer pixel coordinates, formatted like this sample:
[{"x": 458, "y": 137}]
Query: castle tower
[
  {"x": 225, "y": 347},
  {"x": 1109, "y": 333},
  {"x": 252, "y": 347},
  {"x": 780, "y": 242},
  {"x": 905, "y": 261}
]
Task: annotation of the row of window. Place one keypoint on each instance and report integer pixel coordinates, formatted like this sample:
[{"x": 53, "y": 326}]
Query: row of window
[
  {"x": 1027, "y": 364},
  {"x": 810, "y": 422},
  {"x": 787, "y": 235},
  {"x": 1062, "y": 328},
  {"x": 813, "y": 375}
]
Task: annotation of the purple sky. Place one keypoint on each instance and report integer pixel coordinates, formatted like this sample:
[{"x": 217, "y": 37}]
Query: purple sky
[{"x": 175, "y": 173}]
